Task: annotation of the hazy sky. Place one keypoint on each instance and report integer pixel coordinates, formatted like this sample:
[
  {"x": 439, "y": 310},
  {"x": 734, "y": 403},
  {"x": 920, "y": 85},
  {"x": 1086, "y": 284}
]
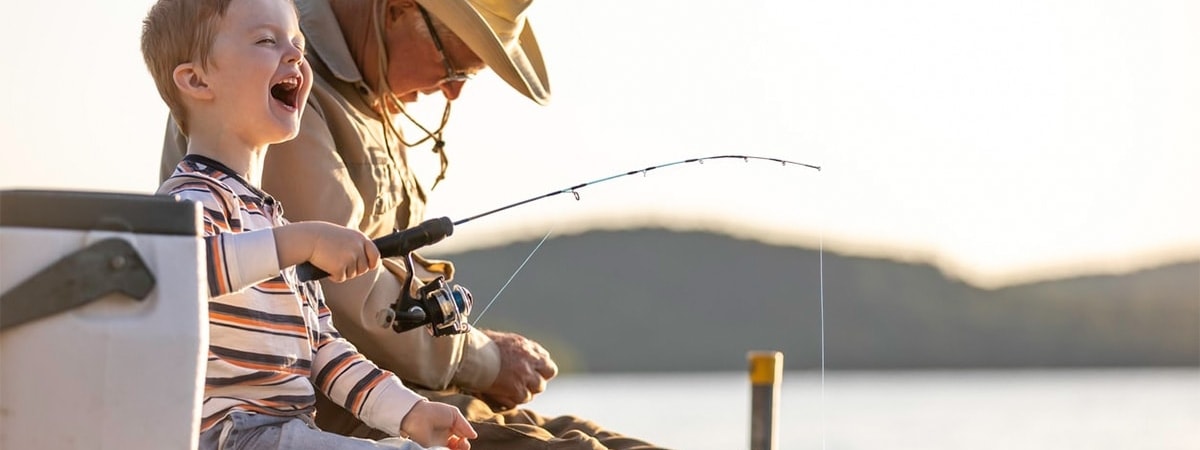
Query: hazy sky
[{"x": 998, "y": 138}]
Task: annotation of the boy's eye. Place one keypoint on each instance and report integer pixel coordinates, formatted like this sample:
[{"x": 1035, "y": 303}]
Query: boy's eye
[{"x": 267, "y": 40}]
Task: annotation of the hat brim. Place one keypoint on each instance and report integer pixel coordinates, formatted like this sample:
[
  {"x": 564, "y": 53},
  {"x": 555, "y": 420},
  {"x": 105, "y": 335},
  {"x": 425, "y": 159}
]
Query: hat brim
[{"x": 519, "y": 64}]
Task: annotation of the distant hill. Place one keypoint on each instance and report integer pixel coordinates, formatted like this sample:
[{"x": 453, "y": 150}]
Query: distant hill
[{"x": 657, "y": 300}]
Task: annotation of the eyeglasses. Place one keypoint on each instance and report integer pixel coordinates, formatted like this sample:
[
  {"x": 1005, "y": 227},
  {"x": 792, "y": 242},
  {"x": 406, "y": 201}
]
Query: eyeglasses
[{"x": 451, "y": 73}]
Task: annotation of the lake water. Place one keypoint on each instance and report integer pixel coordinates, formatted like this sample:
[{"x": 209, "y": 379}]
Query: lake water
[{"x": 929, "y": 410}]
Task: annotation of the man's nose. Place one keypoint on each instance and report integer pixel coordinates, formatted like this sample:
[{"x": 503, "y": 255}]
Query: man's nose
[{"x": 451, "y": 89}]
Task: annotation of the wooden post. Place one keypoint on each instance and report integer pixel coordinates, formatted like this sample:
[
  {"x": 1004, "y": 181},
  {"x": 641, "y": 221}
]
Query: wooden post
[{"x": 766, "y": 373}]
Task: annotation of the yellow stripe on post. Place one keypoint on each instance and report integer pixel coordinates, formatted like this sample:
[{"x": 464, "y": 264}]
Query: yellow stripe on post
[
  {"x": 765, "y": 367},
  {"x": 766, "y": 373}
]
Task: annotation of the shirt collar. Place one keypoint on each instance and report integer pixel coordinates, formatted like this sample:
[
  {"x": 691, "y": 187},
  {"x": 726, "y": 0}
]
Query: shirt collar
[{"x": 324, "y": 37}]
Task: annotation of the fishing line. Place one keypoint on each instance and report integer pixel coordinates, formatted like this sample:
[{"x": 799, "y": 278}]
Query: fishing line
[
  {"x": 574, "y": 190},
  {"x": 514, "y": 275},
  {"x": 821, "y": 289}
]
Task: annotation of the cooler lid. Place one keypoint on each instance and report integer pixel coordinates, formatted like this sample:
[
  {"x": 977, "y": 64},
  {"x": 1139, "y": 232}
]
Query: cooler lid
[{"x": 83, "y": 210}]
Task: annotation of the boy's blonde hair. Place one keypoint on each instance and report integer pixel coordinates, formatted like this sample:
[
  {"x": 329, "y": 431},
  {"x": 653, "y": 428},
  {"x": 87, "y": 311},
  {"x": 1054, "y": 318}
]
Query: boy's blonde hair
[{"x": 175, "y": 32}]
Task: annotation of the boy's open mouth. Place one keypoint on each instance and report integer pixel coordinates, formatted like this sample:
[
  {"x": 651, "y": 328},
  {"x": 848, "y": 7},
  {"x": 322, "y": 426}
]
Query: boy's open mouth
[{"x": 287, "y": 91}]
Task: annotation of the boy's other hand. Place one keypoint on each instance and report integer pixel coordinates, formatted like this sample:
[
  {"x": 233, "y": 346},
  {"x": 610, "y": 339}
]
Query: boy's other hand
[
  {"x": 438, "y": 424},
  {"x": 341, "y": 252}
]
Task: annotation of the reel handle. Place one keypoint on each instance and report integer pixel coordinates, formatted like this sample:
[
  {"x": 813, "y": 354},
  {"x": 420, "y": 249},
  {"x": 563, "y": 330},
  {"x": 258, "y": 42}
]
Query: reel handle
[{"x": 399, "y": 243}]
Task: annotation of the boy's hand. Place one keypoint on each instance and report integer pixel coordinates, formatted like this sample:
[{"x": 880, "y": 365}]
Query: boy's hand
[
  {"x": 437, "y": 424},
  {"x": 341, "y": 252}
]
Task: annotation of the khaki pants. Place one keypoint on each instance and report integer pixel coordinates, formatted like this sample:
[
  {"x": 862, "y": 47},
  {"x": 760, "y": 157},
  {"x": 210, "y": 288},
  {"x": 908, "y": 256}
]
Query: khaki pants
[{"x": 517, "y": 429}]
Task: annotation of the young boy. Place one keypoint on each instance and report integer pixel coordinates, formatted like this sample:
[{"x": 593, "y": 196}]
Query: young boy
[{"x": 234, "y": 76}]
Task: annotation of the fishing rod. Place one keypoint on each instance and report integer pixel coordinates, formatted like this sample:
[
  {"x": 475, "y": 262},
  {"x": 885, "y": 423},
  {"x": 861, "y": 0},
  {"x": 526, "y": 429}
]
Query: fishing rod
[{"x": 445, "y": 307}]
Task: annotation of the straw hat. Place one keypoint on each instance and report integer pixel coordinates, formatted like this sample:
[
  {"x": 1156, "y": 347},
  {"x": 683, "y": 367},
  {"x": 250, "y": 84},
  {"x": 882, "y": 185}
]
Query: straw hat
[{"x": 498, "y": 32}]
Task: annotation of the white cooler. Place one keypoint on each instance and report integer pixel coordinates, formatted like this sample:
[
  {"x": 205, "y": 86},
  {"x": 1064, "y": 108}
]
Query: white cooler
[{"x": 103, "y": 321}]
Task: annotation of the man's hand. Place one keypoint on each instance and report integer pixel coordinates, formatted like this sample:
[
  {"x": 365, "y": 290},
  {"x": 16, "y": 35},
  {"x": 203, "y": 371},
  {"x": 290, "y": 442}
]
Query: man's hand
[
  {"x": 525, "y": 367},
  {"x": 437, "y": 424}
]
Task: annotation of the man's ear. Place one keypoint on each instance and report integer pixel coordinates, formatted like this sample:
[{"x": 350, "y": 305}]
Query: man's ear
[{"x": 189, "y": 78}]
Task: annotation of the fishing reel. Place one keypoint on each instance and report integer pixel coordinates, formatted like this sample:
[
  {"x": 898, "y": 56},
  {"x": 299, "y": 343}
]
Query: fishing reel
[{"x": 441, "y": 306}]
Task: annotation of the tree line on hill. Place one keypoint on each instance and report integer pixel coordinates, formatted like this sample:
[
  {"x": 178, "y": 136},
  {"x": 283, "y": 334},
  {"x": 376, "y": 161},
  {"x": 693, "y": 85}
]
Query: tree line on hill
[{"x": 657, "y": 300}]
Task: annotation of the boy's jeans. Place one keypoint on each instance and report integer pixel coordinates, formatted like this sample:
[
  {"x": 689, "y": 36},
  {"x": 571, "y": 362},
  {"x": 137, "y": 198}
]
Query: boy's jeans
[{"x": 248, "y": 431}]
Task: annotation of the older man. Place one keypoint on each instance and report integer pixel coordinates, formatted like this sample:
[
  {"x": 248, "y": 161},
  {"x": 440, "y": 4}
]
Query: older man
[{"x": 348, "y": 166}]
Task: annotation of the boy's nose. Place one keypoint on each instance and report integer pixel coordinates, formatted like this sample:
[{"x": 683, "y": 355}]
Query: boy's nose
[{"x": 293, "y": 56}]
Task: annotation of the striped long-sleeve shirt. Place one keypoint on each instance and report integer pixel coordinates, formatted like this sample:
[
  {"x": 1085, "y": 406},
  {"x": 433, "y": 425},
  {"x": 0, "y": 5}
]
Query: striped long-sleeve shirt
[{"x": 271, "y": 338}]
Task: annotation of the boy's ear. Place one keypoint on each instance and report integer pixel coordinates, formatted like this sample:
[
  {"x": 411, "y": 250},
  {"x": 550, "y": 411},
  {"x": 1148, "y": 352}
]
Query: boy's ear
[{"x": 189, "y": 78}]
